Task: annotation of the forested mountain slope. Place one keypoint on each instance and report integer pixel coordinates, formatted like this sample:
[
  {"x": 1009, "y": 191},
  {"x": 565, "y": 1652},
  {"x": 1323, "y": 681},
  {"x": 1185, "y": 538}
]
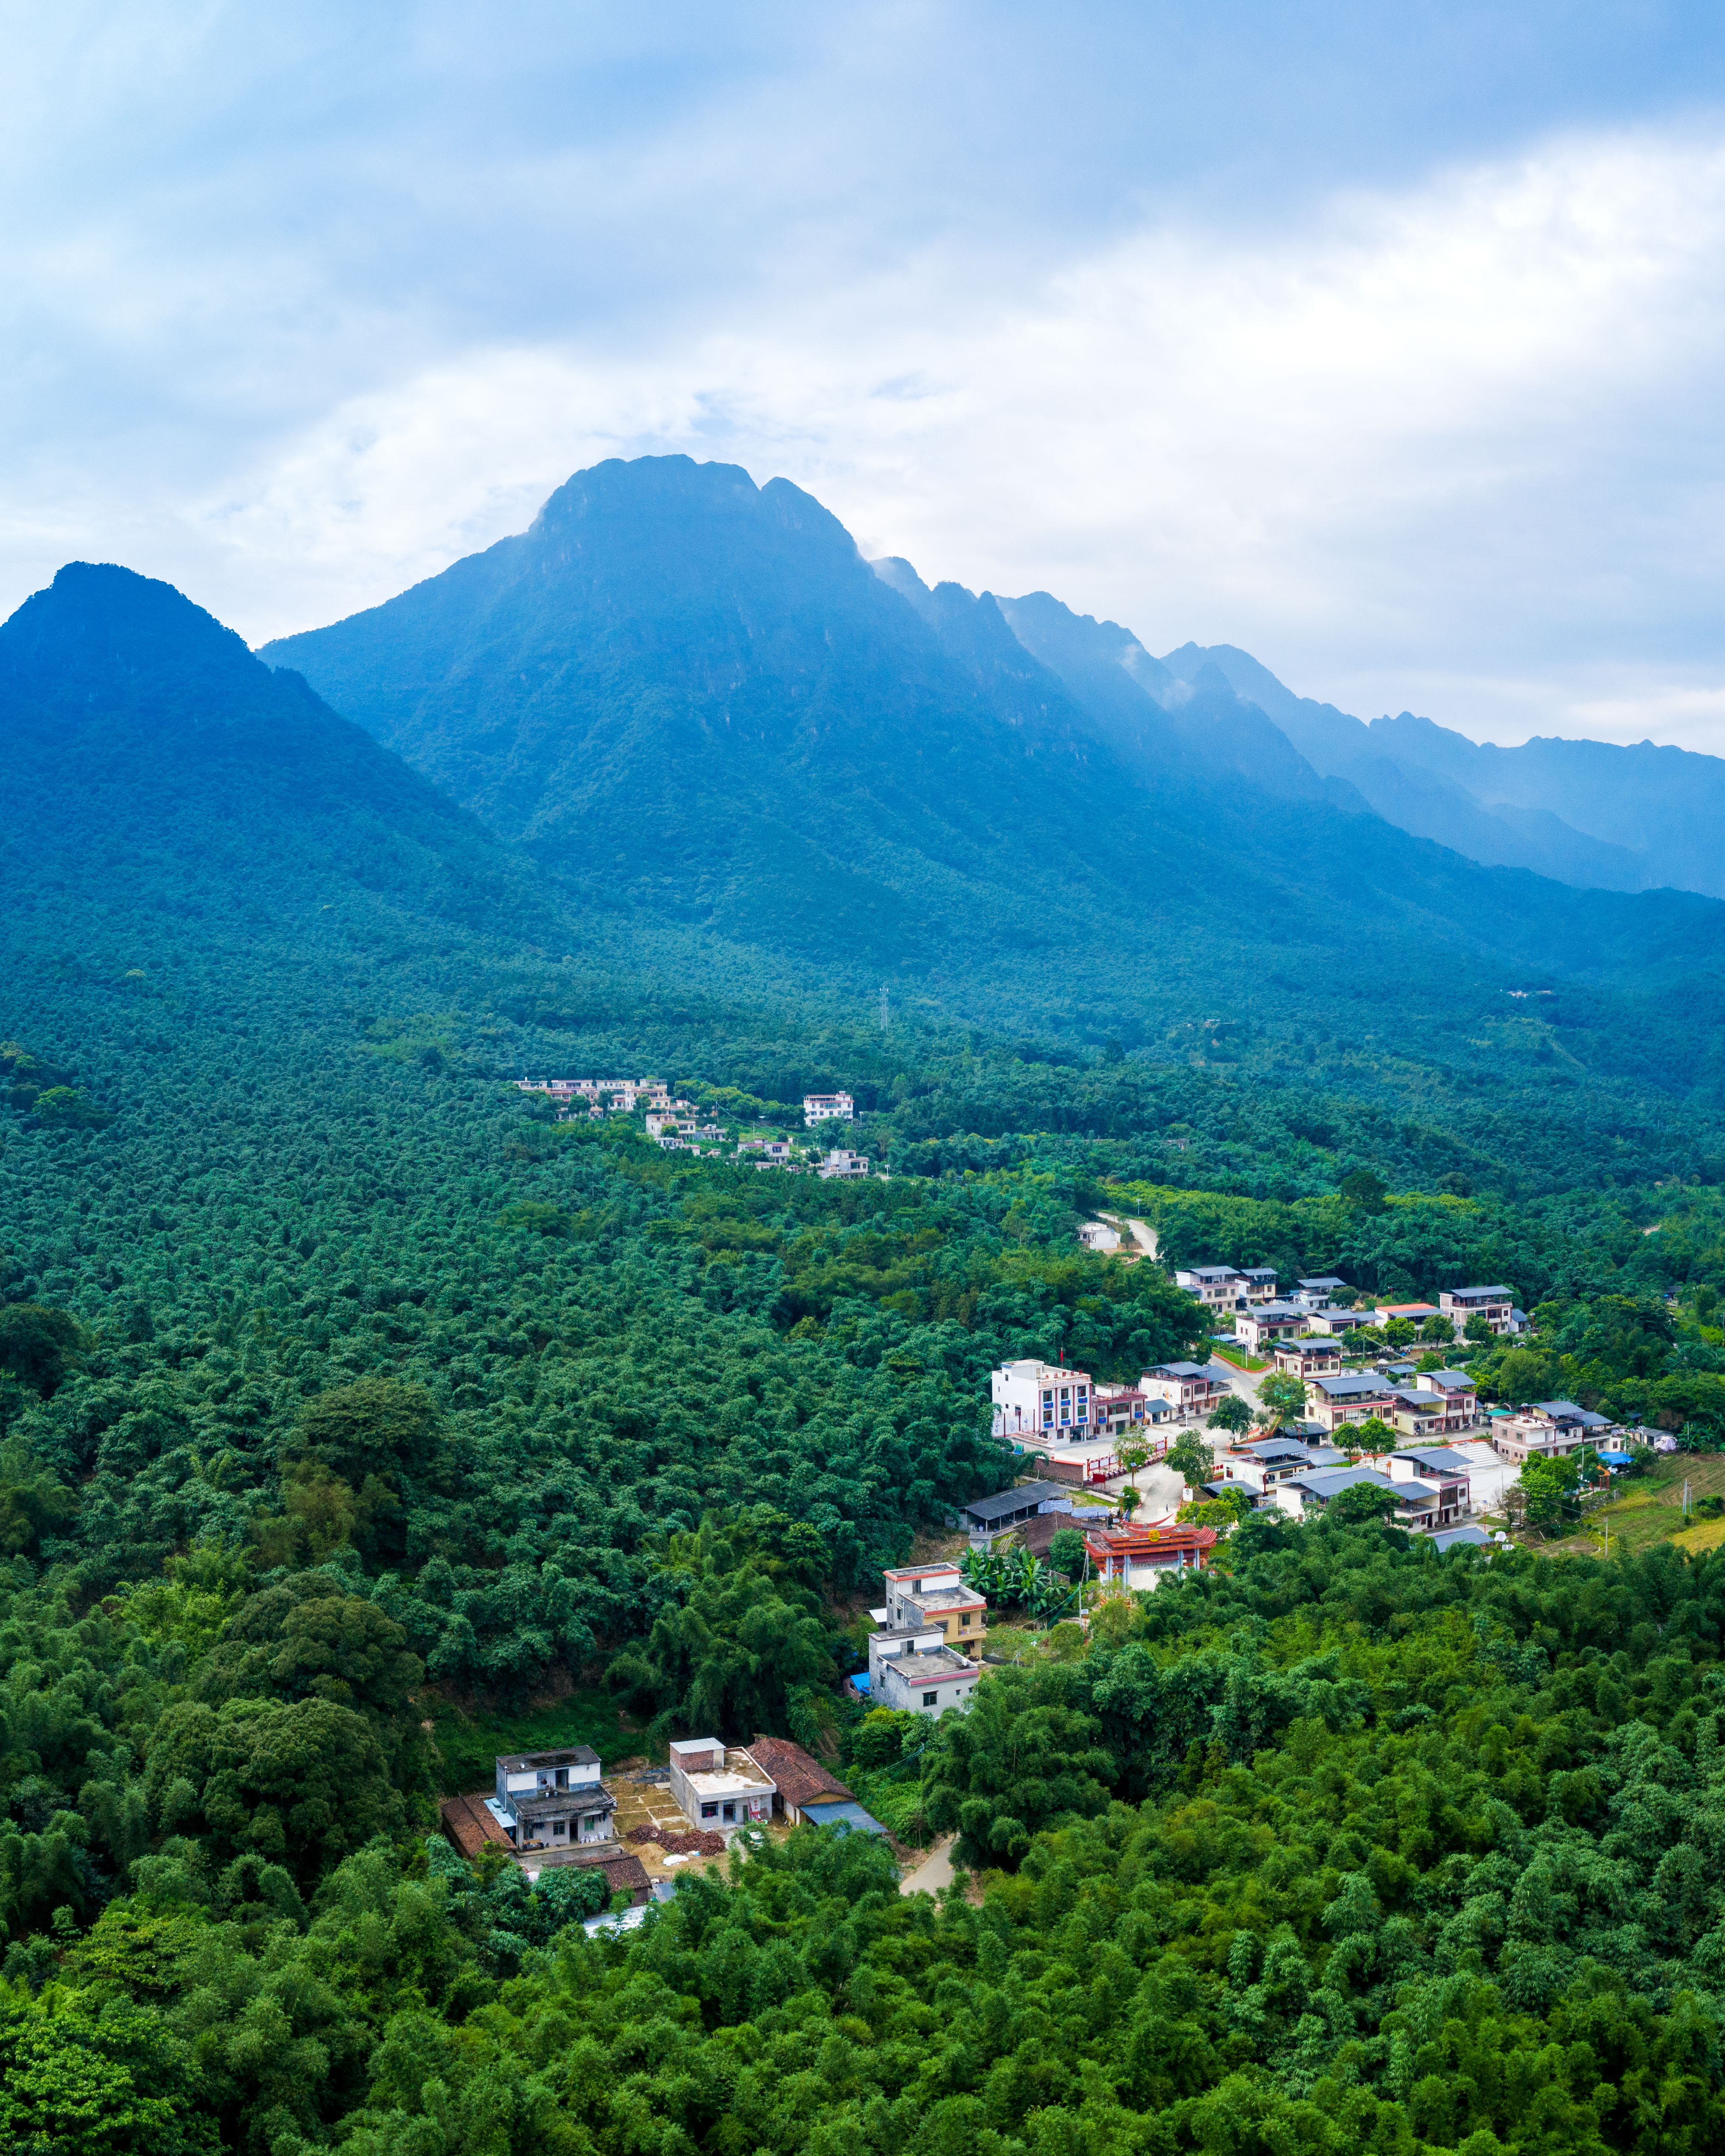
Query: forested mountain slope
[
  {"x": 695, "y": 701},
  {"x": 1621, "y": 818}
]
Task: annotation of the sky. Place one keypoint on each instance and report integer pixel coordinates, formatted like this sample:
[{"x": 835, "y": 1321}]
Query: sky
[{"x": 1387, "y": 342}]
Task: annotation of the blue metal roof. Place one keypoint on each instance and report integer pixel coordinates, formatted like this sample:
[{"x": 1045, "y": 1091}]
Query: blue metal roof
[{"x": 849, "y": 1814}]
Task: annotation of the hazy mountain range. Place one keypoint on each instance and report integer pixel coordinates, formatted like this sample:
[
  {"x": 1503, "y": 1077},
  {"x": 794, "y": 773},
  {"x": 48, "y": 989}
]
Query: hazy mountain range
[{"x": 680, "y": 731}]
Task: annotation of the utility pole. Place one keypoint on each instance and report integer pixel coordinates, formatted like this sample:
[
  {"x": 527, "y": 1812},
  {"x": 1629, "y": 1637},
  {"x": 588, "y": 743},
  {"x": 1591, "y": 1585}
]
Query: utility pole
[{"x": 885, "y": 1019}]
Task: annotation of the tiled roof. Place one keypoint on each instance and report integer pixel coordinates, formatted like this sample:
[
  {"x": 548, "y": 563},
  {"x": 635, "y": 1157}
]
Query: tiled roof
[
  {"x": 469, "y": 1825},
  {"x": 802, "y": 1780}
]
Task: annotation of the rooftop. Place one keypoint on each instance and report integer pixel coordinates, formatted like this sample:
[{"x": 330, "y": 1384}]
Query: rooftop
[
  {"x": 801, "y": 1778},
  {"x": 1006, "y": 1501},
  {"x": 932, "y": 1668},
  {"x": 1501, "y": 1293},
  {"x": 1351, "y": 1384},
  {"x": 1442, "y": 1459},
  {"x": 579, "y": 1755}
]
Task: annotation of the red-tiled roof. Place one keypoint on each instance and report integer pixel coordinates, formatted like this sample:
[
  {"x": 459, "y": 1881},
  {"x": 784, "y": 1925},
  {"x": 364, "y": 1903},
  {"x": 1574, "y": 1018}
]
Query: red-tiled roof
[
  {"x": 801, "y": 1780},
  {"x": 469, "y": 1825}
]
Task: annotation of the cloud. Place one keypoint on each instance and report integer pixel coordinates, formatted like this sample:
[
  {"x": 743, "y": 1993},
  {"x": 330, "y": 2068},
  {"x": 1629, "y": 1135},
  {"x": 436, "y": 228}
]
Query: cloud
[{"x": 1458, "y": 442}]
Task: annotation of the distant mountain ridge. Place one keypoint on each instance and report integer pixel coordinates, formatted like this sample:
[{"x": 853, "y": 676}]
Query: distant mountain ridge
[
  {"x": 696, "y": 703},
  {"x": 1594, "y": 814}
]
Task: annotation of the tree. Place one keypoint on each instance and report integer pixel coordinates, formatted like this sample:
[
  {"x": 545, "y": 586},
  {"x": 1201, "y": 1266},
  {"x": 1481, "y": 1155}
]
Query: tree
[
  {"x": 1399, "y": 1331},
  {"x": 1359, "y": 1501},
  {"x": 1132, "y": 1452},
  {"x": 1372, "y": 1433},
  {"x": 33, "y": 1503},
  {"x": 1222, "y": 1511},
  {"x": 1192, "y": 1457},
  {"x": 1281, "y": 1397},
  {"x": 1066, "y": 1552},
  {"x": 307, "y": 1640},
  {"x": 302, "y": 1783},
  {"x": 1024, "y": 1759},
  {"x": 81, "y": 2075},
  {"x": 1548, "y": 1489},
  {"x": 375, "y": 1426},
  {"x": 1438, "y": 1328},
  {"x": 38, "y": 1345},
  {"x": 1363, "y": 1192},
  {"x": 1130, "y": 1498},
  {"x": 1478, "y": 1329},
  {"x": 1230, "y": 1412}
]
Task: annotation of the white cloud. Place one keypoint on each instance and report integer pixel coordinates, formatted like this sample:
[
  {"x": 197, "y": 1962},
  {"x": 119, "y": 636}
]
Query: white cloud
[{"x": 1453, "y": 448}]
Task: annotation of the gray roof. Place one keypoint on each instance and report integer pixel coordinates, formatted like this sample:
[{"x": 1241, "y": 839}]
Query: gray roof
[
  {"x": 1447, "y": 1538},
  {"x": 1027, "y": 1497},
  {"x": 1446, "y": 1377},
  {"x": 1277, "y": 1448},
  {"x": 1351, "y": 1385},
  {"x": 1441, "y": 1457},
  {"x": 1328, "y": 1482},
  {"x": 1180, "y": 1370},
  {"x": 1257, "y": 1272},
  {"x": 1495, "y": 1288},
  {"x": 577, "y": 1755},
  {"x": 1322, "y": 1279}
]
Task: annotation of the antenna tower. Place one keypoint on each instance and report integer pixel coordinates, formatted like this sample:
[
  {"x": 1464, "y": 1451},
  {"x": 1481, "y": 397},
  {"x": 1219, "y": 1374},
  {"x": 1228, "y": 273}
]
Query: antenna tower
[{"x": 886, "y": 1020}]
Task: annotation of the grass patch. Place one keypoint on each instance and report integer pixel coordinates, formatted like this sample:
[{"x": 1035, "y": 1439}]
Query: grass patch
[
  {"x": 469, "y": 1742},
  {"x": 1650, "y": 1510}
]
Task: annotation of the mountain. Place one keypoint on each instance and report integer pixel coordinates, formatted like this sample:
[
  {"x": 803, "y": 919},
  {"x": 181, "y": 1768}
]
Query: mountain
[
  {"x": 1587, "y": 813},
  {"x": 696, "y": 703},
  {"x": 151, "y": 765}
]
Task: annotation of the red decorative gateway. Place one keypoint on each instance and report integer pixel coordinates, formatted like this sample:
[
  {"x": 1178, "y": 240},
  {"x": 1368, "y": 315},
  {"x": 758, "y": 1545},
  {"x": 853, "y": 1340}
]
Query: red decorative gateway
[{"x": 1143, "y": 1557}]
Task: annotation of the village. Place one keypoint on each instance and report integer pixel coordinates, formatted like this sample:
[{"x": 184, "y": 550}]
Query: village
[
  {"x": 1310, "y": 1396},
  {"x": 675, "y": 1126}
]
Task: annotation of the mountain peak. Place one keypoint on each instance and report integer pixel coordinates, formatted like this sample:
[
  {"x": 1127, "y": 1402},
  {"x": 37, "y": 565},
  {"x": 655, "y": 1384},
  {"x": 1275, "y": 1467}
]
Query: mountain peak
[{"x": 97, "y": 621}]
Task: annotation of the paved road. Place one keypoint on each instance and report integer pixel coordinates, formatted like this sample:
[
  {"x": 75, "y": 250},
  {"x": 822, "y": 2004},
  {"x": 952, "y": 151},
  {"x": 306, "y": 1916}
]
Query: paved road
[{"x": 934, "y": 1874}]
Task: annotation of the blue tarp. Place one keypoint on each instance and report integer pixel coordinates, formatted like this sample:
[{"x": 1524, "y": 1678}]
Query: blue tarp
[
  {"x": 861, "y": 1681},
  {"x": 1618, "y": 1459}
]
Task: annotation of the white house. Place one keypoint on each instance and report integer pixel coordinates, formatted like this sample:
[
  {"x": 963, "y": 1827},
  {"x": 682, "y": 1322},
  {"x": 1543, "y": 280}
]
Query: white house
[
  {"x": 1497, "y": 1305},
  {"x": 1317, "y": 1291},
  {"x": 913, "y": 1669},
  {"x": 1098, "y": 1235},
  {"x": 1192, "y": 1389},
  {"x": 1217, "y": 1287},
  {"x": 841, "y": 1162},
  {"x": 938, "y": 1597},
  {"x": 827, "y": 1108},
  {"x": 1348, "y": 1396},
  {"x": 1042, "y": 1398},
  {"x": 716, "y": 1788},
  {"x": 552, "y": 1799},
  {"x": 1261, "y": 1325}
]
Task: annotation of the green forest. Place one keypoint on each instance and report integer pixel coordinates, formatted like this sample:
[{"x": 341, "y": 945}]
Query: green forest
[{"x": 358, "y": 1419}]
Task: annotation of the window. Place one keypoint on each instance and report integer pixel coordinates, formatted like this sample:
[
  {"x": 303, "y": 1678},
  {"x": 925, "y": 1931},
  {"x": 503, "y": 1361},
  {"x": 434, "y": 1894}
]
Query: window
[
  {"x": 931, "y": 1699},
  {"x": 710, "y": 1811}
]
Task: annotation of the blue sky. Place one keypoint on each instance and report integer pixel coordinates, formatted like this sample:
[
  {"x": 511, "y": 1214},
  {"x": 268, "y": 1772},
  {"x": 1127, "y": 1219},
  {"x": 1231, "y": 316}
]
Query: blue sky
[{"x": 1385, "y": 341}]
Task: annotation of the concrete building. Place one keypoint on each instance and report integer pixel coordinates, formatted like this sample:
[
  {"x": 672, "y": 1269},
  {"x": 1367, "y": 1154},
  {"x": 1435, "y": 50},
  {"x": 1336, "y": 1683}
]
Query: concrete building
[
  {"x": 1259, "y": 1327},
  {"x": 1497, "y": 1305},
  {"x": 1047, "y": 1399},
  {"x": 1192, "y": 1388},
  {"x": 827, "y": 1108},
  {"x": 1316, "y": 1293},
  {"x": 1348, "y": 1396},
  {"x": 840, "y": 1163},
  {"x": 717, "y": 1788},
  {"x": 914, "y": 1671},
  {"x": 1098, "y": 1235},
  {"x": 1305, "y": 1355},
  {"x": 551, "y": 1800},
  {"x": 1219, "y": 1288},
  {"x": 939, "y": 1595}
]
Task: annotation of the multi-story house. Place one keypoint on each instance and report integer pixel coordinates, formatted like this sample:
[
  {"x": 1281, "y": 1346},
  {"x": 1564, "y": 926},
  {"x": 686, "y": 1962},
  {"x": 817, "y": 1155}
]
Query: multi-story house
[
  {"x": 1317, "y": 1291},
  {"x": 1262, "y": 1325},
  {"x": 1495, "y": 1305},
  {"x": 827, "y": 1108},
  {"x": 1048, "y": 1400},
  {"x": 1306, "y": 1357},
  {"x": 1219, "y": 1288},
  {"x": 1349, "y": 1396},
  {"x": 842, "y": 1162},
  {"x": 913, "y": 1670},
  {"x": 1193, "y": 1388},
  {"x": 938, "y": 1595},
  {"x": 552, "y": 1799}
]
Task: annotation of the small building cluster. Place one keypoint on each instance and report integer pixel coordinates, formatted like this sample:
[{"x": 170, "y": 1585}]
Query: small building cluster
[{"x": 678, "y": 1125}]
